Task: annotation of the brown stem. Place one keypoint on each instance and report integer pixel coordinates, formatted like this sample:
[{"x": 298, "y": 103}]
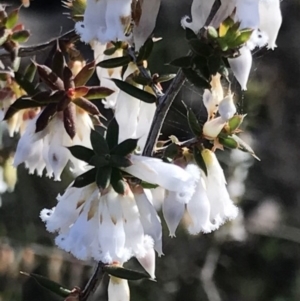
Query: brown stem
[
  {"x": 93, "y": 283},
  {"x": 165, "y": 101},
  {"x": 35, "y": 49}
]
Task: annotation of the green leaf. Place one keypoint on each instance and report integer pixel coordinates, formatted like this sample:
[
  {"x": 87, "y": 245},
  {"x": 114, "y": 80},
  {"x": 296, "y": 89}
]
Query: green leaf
[
  {"x": 48, "y": 284},
  {"x": 229, "y": 142},
  {"x": 25, "y": 84},
  {"x": 103, "y": 177},
  {"x": 147, "y": 185},
  {"x": 85, "y": 179},
  {"x": 110, "y": 51},
  {"x": 50, "y": 78},
  {"x": 242, "y": 38},
  {"x": 243, "y": 146},
  {"x": 115, "y": 62},
  {"x": 30, "y": 72},
  {"x": 123, "y": 273},
  {"x": 112, "y": 134},
  {"x": 199, "y": 159},
  {"x": 200, "y": 48},
  {"x": 12, "y": 18},
  {"x": 200, "y": 64},
  {"x": 125, "y": 148},
  {"x": 99, "y": 144},
  {"x": 20, "y": 104},
  {"x": 85, "y": 74},
  {"x": 145, "y": 50},
  {"x": 189, "y": 34},
  {"x": 81, "y": 152},
  {"x": 99, "y": 161},
  {"x": 165, "y": 77},
  {"x": 45, "y": 117},
  {"x": 194, "y": 124},
  {"x": 182, "y": 62},
  {"x": 119, "y": 161},
  {"x": 117, "y": 181},
  {"x": 98, "y": 93},
  {"x": 196, "y": 79},
  {"x": 20, "y": 36},
  {"x": 141, "y": 80},
  {"x": 86, "y": 105},
  {"x": 234, "y": 122},
  {"x": 58, "y": 63},
  {"x": 134, "y": 91},
  {"x": 214, "y": 64}
]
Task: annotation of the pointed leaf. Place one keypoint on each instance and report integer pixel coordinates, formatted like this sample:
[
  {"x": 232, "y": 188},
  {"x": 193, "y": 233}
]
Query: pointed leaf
[
  {"x": 200, "y": 48},
  {"x": 45, "y": 117},
  {"x": 112, "y": 134},
  {"x": 123, "y": 273},
  {"x": 99, "y": 143},
  {"x": 243, "y": 146},
  {"x": 229, "y": 142},
  {"x": 212, "y": 32},
  {"x": 103, "y": 177},
  {"x": 12, "y": 18},
  {"x": 182, "y": 62},
  {"x": 86, "y": 105},
  {"x": 119, "y": 161},
  {"x": 46, "y": 97},
  {"x": 199, "y": 159},
  {"x": 25, "y": 84},
  {"x": 69, "y": 120},
  {"x": 117, "y": 182},
  {"x": 234, "y": 122},
  {"x": 141, "y": 80},
  {"x": 20, "y": 36},
  {"x": 171, "y": 151},
  {"x": 68, "y": 78},
  {"x": 50, "y": 285},
  {"x": 145, "y": 50},
  {"x": 196, "y": 79},
  {"x": 165, "y": 77},
  {"x": 58, "y": 63},
  {"x": 193, "y": 122},
  {"x": 81, "y": 152},
  {"x": 85, "y": 179},
  {"x": 147, "y": 185},
  {"x": 125, "y": 148},
  {"x": 134, "y": 91},
  {"x": 85, "y": 74},
  {"x": 99, "y": 161},
  {"x": 110, "y": 51},
  {"x": 30, "y": 72},
  {"x": 21, "y": 103},
  {"x": 214, "y": 64},
  {"x": 201, "y": 65},
  {"x": 98, "y": 93},
  {"x": 50, "y": 78},
  {"x": 115, "y": 62}
]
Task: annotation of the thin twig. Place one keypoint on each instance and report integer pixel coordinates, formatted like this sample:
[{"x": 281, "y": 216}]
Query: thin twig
[
  {"x": 165, "y": 101},
  {"x": 35, "y": 49},
  {"x": 93, "y": 283}
]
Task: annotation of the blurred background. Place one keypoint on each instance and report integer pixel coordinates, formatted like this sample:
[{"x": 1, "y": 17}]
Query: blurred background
[{"x": 254, "y": 258}]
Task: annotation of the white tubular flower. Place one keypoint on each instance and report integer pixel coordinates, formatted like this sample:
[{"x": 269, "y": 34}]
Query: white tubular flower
[
  {"x": 117, "y": 20},
  {"x": 222, "y": 207},
  {"x": 241, "y": 66},
  {"x": 227, "y": 107},
  {"x": 270, "y": 20},
  {"x": 93, "y": 20},
  {"x": 212, "y": 128},
  {"x": 155, "y": 171},
  {"x": 145, "y": 25},
  {"x": 48, "y": 148},
  {"x": 247, "y": 13},
  {"x": 106, "y": 227},
  {"x": 198, "y": 208},
  {"x": 118, "y": 289},
  {"x": 200, "y": 11},
  {"x": 150, "y": 220}
]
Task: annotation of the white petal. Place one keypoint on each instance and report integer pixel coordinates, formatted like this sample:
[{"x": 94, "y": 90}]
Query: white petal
[
  {"x": 118, "y": 289},
  {"x": 247, "y": 13},
  {"x": 156, "y": 171},
  {"x": 227, "y": 107},
  {"x": 241, "y": 66},
  {"x": 212, "y": 128},
  {"x": 173, "y": 211},
  {"x": 148, "y": 262}
]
